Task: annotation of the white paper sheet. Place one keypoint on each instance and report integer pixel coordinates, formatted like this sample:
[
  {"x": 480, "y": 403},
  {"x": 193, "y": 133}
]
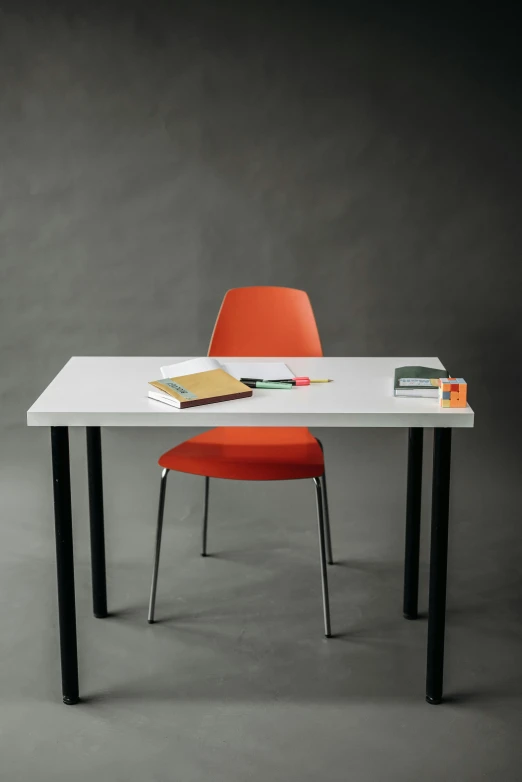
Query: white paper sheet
[
  {"x": 191, "y": 367},
  {"x": 264, "y": 370}
]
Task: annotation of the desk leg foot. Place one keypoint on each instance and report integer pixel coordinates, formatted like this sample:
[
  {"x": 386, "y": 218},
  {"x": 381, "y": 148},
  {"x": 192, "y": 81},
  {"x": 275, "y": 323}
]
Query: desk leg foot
[
  {"x": 65, "y": 562},
  {"x": 438, "y": 564},
  {"x": 94, "y": 467},
  {"x": 413, "y": 518}
]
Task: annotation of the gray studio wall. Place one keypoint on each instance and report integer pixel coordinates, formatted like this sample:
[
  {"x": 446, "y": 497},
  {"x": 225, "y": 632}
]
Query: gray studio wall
[{"x": 151, "y": 159}]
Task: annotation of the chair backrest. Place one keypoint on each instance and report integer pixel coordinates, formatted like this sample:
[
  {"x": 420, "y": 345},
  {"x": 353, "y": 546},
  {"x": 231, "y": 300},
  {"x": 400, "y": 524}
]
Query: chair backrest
[{"x": 265, "y": 321}]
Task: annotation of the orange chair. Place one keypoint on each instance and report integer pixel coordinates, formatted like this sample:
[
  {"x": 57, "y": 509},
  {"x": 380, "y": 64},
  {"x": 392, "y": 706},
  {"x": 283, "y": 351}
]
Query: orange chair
[{"x": 258, "y": 321}]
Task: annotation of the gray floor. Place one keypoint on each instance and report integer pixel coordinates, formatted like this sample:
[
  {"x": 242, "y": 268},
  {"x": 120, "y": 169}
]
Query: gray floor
[{"x": 236, "y": 681}]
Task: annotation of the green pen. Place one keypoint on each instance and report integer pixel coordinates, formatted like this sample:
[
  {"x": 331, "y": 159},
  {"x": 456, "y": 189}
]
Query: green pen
[{"x": 265, "y": 384}]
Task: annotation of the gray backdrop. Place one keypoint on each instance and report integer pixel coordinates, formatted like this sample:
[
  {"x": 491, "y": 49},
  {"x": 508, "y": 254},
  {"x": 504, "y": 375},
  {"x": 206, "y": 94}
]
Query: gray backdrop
[{"x": 152, "y": 159}]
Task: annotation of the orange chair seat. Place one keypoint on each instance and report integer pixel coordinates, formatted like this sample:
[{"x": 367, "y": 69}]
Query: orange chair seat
[{"x": 249, "y": 454}]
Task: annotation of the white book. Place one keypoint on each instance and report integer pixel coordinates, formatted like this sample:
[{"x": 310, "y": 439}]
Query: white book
[
  {"x": 159, "y": 396},
  {"x": 264, "y": 370},
  {"x": 427, "y": 393}
]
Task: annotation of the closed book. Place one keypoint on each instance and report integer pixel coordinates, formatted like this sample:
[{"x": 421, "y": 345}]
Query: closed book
[
  {"x": 201, "y": 388},
  {"x": 418, "y": 381}
]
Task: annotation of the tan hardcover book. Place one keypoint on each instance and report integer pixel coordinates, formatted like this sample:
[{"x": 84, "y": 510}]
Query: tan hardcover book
[{"x": 202, "y": 388}]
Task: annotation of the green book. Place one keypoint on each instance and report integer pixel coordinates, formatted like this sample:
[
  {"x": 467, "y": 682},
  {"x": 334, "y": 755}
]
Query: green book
[{"x": 418, "y": 381}]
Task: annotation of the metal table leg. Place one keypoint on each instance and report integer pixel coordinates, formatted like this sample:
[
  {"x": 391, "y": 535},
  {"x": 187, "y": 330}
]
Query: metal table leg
[
  {"x": 413, "y": 518},
  {"x": 94, "y": 466},
  {"x": 438, "y": 564},
  {"x": 65, "y": 562}
]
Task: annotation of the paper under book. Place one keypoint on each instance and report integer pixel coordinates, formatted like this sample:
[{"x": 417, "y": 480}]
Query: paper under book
[
  {"x": 418, "y": 381},
  {"x": 265, "y": 370},
  {"x": 199, "y": 388}
]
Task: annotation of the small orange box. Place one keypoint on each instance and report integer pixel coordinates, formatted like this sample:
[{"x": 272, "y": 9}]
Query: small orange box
[{"x": 456, "y": 388}]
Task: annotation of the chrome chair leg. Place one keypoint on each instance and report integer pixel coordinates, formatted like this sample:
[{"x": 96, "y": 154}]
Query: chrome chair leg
[
  {"x": 322, "y": 549},
  {"x": 205, "y": 520},
  {"x": 161, "y": 508},
  {"x": 328, "y": 532}
]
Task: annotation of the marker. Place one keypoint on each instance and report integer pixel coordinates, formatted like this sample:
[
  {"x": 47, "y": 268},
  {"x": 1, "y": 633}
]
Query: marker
[
  {"x": 302, "y": 381},
  {"x": 253, "y": 383},
  {"x": 278, "y": 383}
]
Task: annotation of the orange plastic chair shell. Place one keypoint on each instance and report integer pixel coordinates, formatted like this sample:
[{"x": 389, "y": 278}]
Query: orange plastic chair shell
[
  {"x": 256, "y": 453},
  {"x": 265, "y": 321},
  {"x": 257, "y": 321}
]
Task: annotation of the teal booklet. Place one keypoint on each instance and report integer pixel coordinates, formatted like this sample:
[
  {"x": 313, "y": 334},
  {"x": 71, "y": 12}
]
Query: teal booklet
[{"x": 418, "y": 381}]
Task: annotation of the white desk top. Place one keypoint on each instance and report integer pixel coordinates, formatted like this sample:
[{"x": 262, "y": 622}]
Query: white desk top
[{"x": 107, "y": 391}]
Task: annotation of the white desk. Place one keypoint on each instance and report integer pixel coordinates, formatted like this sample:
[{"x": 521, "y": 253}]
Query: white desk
[
  {"x": 113, "y": 392},
  {"x": 105, "y": 391}
]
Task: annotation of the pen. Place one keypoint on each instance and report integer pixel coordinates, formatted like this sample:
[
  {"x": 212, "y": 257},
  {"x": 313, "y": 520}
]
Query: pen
[{"x": 253, "y": 383}]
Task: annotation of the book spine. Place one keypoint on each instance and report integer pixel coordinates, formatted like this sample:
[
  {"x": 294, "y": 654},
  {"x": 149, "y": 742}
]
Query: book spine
[{"x": 227, "y": 398}]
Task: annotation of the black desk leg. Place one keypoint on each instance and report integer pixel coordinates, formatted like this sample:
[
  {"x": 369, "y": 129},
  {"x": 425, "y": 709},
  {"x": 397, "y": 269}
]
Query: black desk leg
[
  {"x": 413, "y": 517},
  {"x": 65, "y": 562},
  {"x": 94, "y": 466},
  {"x": 438, "y": 564}
]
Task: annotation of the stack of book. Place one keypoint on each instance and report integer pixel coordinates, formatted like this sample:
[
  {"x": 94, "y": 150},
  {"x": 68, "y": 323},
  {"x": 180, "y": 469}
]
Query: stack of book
[
  {"x": 201, "y": 388},
  {"x": 418, "y": 381},
  {"x": 204, "y": 381}
]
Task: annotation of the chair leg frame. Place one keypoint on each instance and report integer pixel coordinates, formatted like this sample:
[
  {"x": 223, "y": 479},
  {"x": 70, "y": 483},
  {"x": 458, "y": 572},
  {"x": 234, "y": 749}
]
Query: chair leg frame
[
  {"x": 322, "y": 552},
  {"x": 325, "y": 549},
  {"x": 205, "y": 520},
  {"x": 159, "y": 528},
  {"x": 328, "y": 532}
]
